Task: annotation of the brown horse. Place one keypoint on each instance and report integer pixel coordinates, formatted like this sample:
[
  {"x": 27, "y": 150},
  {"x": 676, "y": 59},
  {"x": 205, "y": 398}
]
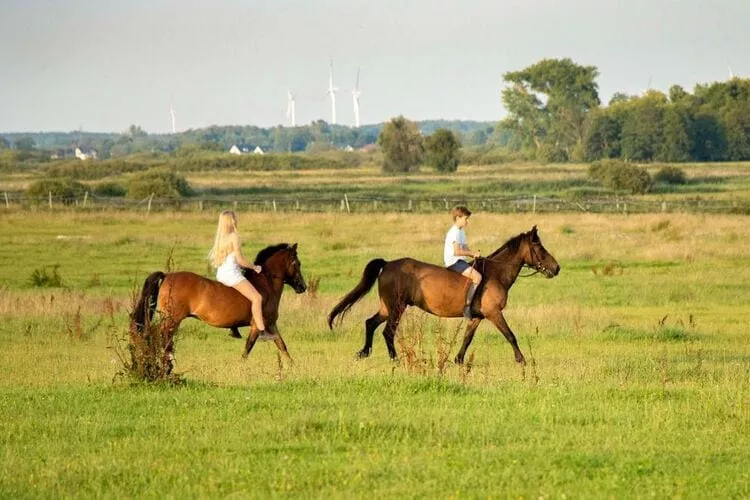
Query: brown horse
[
  {"x": 181, "y": 295},
  {"x": 439, "y": 291}
]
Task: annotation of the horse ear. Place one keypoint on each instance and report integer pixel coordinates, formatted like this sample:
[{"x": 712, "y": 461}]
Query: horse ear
[{"x": 294, "y": 247}]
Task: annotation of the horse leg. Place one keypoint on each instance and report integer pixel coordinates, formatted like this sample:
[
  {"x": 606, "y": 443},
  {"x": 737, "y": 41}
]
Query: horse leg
[
  {"x": 498, "y": 320},
  {"x": 468, "y": 337},
  {"x": 389, "y": 333},
  {"x": 235, "y": 332},
  {"x": 274, "y": 330},
  {"x": 251, "y": 338},
  {"x": 371, "y": 324}
]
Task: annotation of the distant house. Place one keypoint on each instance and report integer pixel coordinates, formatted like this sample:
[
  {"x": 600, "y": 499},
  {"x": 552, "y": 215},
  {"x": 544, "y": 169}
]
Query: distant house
[
  {"x": 62, "y": 153},
  {"x": 368, "y": 148},
  {"x": 86, "y": 153},
  {"x": 348, "y": 149},
  {"x": 245, "y": 149}
]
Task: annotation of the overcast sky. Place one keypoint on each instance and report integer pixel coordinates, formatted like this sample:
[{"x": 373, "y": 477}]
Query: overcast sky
[{"x": 104, "y": 65}]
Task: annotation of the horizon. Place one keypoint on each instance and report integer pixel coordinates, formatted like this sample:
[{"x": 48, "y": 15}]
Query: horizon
[{"x": 231, "y": 63}]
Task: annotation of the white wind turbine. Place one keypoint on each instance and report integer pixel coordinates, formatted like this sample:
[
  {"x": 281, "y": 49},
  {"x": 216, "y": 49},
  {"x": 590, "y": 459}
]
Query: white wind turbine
[
  {"x": 290, "y": 108},
  {"x": 355, "y": 100},
  {"x": 172, "y": 120},
  {"x": 332, "y": 92}
]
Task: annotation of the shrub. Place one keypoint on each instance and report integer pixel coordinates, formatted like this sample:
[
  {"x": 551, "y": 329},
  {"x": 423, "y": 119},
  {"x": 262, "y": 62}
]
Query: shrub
[
  {"x": 66, "y": 189},
  {"x": 670, "y": 175},
  {"x": 160, "y": 183},
  {"x": 42, "y": 278},
  {"x": 620, "y": 176},
  {"x": 443, "y": 150},
  {"x": 110, "y": 189}
]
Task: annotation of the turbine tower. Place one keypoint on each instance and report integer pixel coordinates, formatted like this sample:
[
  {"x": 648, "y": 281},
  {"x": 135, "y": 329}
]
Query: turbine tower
[
  {"x": 355, "y": 100},
  {"x": 290, "y": 108},
  {"x": 172, "y": 118},
  {"x": 332, "y": 92}
]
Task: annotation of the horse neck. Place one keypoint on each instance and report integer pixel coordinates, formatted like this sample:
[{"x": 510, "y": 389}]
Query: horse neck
[
  {"x": 273, "y": 270},
  {"x": 505, "y": 266}
]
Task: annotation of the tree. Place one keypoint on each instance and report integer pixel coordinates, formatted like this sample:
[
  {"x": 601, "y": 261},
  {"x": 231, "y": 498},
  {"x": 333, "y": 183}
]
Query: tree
[
  {"x": 442, "y": 150},
  {"x": 642, "y": 130},
  {"x": 402, "y": 146},
  {"x": 676, "y": 141},
  {"x": 24, "y": 143},
  {"x": 4, "y": 144},
  {"x": 547, "y": 105}
]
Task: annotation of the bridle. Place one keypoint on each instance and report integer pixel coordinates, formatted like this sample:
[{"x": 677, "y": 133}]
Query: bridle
[{"x": 536, "y": 263}]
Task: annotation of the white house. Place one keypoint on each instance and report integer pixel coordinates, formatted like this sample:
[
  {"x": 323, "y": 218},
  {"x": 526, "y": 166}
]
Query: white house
[
  {"x": 86, "y": 154},
  {"x": 258, "y": 151},
  {"x": 234, "y": 150}
]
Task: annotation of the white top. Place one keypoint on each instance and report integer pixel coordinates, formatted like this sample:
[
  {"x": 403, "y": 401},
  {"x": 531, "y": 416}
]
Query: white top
[
  {"x": 229, "y": 272},
  {"x": 454, "y": 235}
]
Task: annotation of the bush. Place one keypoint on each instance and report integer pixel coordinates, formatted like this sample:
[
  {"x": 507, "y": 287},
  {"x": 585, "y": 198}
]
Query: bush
[
  {"x": 110, "y": 189},
  {"x": 620, "y": 176},
  {"x": 442, "y": 150},
  {"x": 160, "y": 183},
  {"x": 66, "y": 189},
  {"x": 670, "y": 175}
]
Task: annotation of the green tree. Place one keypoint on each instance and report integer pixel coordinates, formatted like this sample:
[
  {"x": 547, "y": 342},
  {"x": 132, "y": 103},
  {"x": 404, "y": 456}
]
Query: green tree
[
  {"x": 442, "y": 150},
  {"x": 642, "y": 129},
  {"x": 402, "y": 146},
  {"x": 24, "y": 143},
  {"x": 4, "y": 144},
  {"x": 676, "y": 141},
  {"x": 547, "y": 105}
]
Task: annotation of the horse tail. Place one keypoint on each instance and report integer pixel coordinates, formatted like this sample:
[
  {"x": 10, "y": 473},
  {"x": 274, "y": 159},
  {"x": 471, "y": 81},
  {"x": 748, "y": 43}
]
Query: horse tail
[
  {"x": 369, "y": 277},
  {"x": 146, "y": 305}
]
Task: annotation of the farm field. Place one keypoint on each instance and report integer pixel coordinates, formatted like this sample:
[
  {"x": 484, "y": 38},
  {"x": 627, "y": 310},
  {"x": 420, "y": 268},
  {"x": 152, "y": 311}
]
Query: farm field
[{"x": 638, "y": 382}]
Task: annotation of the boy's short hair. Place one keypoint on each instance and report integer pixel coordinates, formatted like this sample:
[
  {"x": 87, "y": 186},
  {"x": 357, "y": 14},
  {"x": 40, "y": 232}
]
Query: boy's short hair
[{"x": 460, "y": 211}]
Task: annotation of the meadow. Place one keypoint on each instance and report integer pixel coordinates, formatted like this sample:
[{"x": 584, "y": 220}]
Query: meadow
[{"x": 638, "y": 382}]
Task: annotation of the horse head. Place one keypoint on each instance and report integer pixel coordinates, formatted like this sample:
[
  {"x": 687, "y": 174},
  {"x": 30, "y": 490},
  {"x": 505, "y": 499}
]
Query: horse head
[
  {"x": 537, "y": 257},
  {"x": 281, "y": 260}
]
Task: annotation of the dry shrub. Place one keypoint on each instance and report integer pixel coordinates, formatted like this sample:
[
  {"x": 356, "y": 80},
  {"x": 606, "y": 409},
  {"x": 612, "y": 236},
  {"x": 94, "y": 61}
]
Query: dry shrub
[{"x": 313, "y": 285}]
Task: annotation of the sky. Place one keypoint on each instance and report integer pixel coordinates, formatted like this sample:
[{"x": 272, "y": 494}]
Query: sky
[{"x": 102, "y": 66}]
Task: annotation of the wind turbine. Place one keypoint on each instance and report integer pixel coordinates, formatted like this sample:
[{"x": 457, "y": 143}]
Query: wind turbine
[
  {"x": 290, "y": 108},
  {"x": 332, "y": 92},
  {"x": 731, "y": 75},
  {"x": 172, "y": 118},
  {"x": 355, "y": 100}
]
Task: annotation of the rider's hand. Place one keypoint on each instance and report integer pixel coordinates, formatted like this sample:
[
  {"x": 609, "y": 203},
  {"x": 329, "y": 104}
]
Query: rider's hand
[
  {"x": 257, "y": 269},
  {"x": 477, "y": 254}
]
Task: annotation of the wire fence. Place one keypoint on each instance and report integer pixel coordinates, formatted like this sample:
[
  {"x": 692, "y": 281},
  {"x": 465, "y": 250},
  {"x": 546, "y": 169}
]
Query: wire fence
[{"x": 366, "y": 204}]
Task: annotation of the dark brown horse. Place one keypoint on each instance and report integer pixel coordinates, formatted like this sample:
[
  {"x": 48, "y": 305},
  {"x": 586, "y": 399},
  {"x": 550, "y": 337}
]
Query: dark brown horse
[
  {"x": 439, "y": 291},
  {"x": 181, "y": 295}
]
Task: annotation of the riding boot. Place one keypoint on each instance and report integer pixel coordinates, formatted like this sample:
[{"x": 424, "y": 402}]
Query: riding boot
[{"x": 469, "y": 297}]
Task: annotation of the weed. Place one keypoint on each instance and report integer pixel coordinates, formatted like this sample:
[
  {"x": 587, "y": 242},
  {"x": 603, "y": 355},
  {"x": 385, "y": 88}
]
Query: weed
[{"x": 43, "y": 278}]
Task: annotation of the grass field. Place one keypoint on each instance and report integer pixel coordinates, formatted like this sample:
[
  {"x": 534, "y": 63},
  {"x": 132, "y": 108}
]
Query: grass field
[{"x": 638, "y": 383}]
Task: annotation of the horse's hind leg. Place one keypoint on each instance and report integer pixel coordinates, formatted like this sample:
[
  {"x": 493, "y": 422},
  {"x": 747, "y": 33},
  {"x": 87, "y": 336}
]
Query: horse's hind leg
[
  {"x": 251, "y": 338},
  {"x": 389, "y": 333},
  {"x": 371, "y": 324},
  {"x": 468, "y": 337},
  {"x": 235, "y": 333}
]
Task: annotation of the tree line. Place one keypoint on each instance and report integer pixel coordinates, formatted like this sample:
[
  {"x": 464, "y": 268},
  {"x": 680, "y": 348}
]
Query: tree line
[{"x": 555, "y": 114}]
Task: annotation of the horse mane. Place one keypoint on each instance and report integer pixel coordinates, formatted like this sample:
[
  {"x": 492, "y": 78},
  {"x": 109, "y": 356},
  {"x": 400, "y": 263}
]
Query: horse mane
[
  {"x": 267, "y": 252},
  {"x": 512, "y": 245}
]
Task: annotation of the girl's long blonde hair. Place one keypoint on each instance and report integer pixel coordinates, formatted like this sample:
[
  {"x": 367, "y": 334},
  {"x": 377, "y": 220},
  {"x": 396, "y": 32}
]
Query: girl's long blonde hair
[{"x": 226, "y": 235}]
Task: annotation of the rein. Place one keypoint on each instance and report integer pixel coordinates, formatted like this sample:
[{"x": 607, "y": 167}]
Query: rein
[{"x": 536, "y": 268}]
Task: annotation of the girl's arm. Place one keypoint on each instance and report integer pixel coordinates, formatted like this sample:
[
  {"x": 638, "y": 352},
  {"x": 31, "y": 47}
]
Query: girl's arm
[{"x": 241, "y": 260}]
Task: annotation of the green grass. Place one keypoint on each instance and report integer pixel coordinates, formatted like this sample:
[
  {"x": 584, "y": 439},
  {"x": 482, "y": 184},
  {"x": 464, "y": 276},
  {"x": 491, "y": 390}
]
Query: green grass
[{"x": 638, "y": 382}]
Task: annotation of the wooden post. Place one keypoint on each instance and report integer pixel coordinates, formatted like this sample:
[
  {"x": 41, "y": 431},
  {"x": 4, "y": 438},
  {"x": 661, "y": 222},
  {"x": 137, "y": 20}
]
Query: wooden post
[
  {"x": 297, "y": 204},
  {"x": 50, "y": 199},
  {"x": 375, "y": 205},
  {"x": 663, "y": 206},
  {"x": 85, "y": 197},
  {"x": 235, "y": 205},
  {"x": 200, "y": 205},
  {"x": 533, "y": 208},
  {"x": 274, "y": 205},
  {"x": 7, "y": 205},
  {"x": 346, "y": 200},
  {"x": 410, "y": 206},
  {"x": 150, "y": 199}
]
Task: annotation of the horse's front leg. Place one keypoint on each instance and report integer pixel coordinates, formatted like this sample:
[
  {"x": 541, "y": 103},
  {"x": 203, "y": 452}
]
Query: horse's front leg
[
  {"x": 274, "y": 331},
  {"x": 498, "y": 320},
  {"x": 468, "y": 337}
]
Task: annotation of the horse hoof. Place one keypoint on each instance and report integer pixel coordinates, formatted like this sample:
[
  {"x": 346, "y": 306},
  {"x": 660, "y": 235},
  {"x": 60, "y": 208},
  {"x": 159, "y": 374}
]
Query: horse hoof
[
  {"x": 363, "y": 354},
  {"x": 458, "y": 361}
]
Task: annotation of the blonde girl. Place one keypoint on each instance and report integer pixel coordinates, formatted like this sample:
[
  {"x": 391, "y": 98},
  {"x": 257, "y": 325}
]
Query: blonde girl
[{"x": 226, "y": 256}]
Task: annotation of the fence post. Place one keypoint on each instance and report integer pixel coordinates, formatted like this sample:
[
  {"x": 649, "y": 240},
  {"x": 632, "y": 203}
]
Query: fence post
[
  {"x": 274, "y": 205},
  {"x": 50, "y": 198},
  {"x": 663, "y": 206},
  {"x": 150, "y": 198},
  {"x": 85, "y": 197},
  {"x": 235, "y": 205},
  {"x": 346, "y": 200},
  {"x": 410, "y": 206},
  {"x": 297, "y": 205},
  {"x": 7, "y": 205},
  {"x": 200, "y": 205},
  {"x": 533, "y": 208}
]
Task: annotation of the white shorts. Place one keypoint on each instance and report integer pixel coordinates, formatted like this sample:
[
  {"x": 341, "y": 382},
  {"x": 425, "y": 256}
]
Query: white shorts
[{"x": 229, "y": 276}]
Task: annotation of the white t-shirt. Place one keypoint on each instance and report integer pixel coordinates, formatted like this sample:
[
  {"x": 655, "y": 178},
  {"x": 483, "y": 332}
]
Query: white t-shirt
[{"x": 454, "y": 235}]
